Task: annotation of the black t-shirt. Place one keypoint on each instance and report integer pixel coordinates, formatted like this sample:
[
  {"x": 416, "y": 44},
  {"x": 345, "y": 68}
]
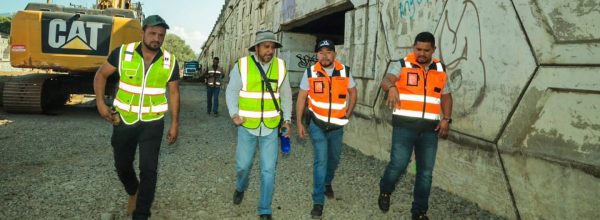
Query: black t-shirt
[{"x": 113, "y": 59}]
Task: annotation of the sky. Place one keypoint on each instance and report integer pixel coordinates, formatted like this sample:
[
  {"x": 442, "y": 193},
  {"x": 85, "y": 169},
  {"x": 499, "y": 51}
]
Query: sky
[{"x": 192, "y": 20}]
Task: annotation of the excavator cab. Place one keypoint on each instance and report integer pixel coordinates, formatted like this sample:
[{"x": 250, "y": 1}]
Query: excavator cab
[{"x": 73, "y": 42}]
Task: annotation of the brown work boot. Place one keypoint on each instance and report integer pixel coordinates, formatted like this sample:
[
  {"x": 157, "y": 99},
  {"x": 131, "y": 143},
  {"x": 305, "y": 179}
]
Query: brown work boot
[{"x": 131, "y": 203}]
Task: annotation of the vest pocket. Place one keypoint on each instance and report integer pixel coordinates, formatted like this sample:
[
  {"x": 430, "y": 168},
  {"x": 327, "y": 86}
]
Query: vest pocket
[{"x": 130, "y": 73}]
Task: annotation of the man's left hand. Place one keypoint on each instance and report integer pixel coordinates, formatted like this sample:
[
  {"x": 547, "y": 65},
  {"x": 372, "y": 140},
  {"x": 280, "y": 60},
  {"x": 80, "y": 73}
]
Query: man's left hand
[
  {"x": 172, "y": 134},
  {"x": 287, "y": 125},
  {"x": 442, "y": 129}
]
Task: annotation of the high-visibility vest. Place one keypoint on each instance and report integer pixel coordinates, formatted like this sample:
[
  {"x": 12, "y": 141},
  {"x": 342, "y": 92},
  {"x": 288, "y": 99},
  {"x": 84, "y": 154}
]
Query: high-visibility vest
[
  {"x": 420, "y": 92},
  {"x": 214, "y": 77},
  {"x": 255, "y": 102},
  {"x": 328, "y": 95},
  {"x": 142, "y": 96}
]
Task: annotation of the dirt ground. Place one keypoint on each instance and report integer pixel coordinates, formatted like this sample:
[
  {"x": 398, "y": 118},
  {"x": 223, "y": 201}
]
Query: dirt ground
[{"x": 60, "y": 166}]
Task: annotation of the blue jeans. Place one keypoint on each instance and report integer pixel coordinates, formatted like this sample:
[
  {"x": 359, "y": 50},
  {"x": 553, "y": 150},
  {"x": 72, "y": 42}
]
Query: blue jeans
[
  {"x": 244, "y": 157},
  {"x": 212, "y": 95},
  {"x": 327, "y": 146},
  {"x": 404, "y": 140}
]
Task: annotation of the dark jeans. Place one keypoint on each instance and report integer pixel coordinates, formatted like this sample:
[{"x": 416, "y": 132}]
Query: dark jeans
[
  {"x": 125, "y": 139},
  {"x": 212, "y": 94},
  {"x": 423, "y": 139}
]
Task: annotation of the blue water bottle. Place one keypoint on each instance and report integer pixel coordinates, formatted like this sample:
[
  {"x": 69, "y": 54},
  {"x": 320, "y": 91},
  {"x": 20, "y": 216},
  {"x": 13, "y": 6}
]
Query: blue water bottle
[{"x": 285, "y": 141}]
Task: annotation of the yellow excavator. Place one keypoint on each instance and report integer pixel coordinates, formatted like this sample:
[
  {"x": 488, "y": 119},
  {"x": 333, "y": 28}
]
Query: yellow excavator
[{"x": 72, "y": 42}]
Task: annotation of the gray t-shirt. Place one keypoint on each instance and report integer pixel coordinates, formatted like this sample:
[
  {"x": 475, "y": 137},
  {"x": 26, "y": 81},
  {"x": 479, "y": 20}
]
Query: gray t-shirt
[
  {"x": 304, "y": 80},
  {"x": 395, "y": 70}
]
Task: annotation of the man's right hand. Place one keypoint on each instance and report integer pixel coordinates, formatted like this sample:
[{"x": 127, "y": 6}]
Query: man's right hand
[
  {"x": 392, "y": 97},
  {"x": 237, "y": 120},
  {"x": 105, "y": 112},
  {"x": 301, "y": 130}
]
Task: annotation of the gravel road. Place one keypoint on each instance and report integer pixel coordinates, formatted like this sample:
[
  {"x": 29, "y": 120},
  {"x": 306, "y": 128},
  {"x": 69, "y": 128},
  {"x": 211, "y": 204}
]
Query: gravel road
[{"x": 60, "y": 166}]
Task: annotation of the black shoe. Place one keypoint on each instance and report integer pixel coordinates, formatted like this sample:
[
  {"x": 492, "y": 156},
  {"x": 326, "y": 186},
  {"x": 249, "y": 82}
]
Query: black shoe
[
  {"x": 265, "y": 216},
  {"x": 384, "y": 202},
  {"x": 216, "y": 114},
  {"x": 421, "y": 216},
  {"x": 238, "y": 197},
  {"x": 317, "y": 211},
  {"x": 329, "y": 191}
]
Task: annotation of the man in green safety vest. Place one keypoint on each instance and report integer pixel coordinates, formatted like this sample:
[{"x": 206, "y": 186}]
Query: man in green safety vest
[
  {"x": 254, "y": 109},
  {"x": 146, "y": 71}
]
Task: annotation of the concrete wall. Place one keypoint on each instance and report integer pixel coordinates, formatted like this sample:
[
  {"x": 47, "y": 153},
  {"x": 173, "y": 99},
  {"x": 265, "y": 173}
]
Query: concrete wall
[{"x": 525, "y": 140}]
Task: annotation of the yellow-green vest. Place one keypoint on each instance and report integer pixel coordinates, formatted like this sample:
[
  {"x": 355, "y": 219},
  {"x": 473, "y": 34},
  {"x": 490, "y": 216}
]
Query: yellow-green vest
[
  {"x": 142, "y": 96},
  {"x": 253, "y": 93}
]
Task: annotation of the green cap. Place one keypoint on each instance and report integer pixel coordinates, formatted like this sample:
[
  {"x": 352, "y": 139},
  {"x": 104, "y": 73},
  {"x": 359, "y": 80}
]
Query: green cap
[{"x": 155, "y": 20}]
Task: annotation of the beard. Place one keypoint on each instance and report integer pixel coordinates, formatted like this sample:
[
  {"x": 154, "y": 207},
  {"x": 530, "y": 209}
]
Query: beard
[
  {"x": 326, "y": 63},
  {"x": 265, "y": 58},
  {"x": 153, "y": 46}
]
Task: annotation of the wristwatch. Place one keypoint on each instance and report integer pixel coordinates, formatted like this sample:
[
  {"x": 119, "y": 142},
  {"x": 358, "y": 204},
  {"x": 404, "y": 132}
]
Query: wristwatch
[{"x": 448, "y": 119}]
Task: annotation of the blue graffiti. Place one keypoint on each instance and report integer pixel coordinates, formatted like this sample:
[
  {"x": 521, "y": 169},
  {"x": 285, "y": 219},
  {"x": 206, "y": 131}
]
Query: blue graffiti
[{"x": 409, "y": 7}]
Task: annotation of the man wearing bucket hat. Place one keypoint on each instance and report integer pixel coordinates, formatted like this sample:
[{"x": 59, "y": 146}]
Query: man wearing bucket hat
[
  {"x": 258, "y": 98},
  {"x": 146, "y": 72}
]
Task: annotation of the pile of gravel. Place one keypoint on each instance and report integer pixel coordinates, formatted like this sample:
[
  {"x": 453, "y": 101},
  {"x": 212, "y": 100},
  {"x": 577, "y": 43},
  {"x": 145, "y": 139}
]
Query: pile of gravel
[{"x": 61, "y": 166}]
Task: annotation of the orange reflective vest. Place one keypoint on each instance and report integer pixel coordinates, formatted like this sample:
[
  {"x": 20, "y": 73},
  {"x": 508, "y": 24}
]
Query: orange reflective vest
[
  {"x": 327, "y": 95},
  {"x": 420, "y": 92}
]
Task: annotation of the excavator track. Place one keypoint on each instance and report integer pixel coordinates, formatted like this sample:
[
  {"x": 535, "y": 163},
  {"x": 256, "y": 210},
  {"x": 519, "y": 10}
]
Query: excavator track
[{"x": 34, "y": 94}]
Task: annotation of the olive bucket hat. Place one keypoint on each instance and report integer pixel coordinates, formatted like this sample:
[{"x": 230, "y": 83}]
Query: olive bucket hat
[{"x": 264, "y": 36}]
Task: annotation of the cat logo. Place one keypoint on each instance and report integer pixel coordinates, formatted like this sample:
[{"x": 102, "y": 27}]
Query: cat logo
[{"x": 85, "y": 35}]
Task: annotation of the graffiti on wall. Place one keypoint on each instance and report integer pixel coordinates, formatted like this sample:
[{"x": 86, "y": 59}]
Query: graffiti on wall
[
  {"x": 460, "y": 48},
  {"x": 408, "y": 8},
  {"x": 305, "y": 60}
]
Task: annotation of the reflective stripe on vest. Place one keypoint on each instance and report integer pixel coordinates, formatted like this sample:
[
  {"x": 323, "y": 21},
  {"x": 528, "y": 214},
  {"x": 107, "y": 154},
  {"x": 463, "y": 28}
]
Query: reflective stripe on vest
[
  {"x": 419, "y": 92},
  {"x": 158, "y": 108},
  {"x": 139, "y": 89},
  {"x": 216, "y": 80},
  {"x": 258, "y": 95},
  {"x": 253, "y": 96},
  {"x": 142, "y": 96},
  {"x": 328, "y": 95}
]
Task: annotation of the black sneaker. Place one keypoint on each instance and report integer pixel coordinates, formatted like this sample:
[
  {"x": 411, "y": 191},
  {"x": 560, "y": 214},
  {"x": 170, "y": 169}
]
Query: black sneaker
[
  {"x": 421, "y": 216},
  {"x": 384, "y": 202},
  {"x": 216, "y": 114},
  {"x": 317, "y": 211},
  {"x": 238, "y": 197},
  {"x": 329, "y": 191},
  {"x": 265, "y": 217}
]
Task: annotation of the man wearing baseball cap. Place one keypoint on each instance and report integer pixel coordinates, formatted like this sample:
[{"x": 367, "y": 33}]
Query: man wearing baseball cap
[
  {"x": 259, "y": 98},
  {"x": 146, "y": 73},
  {"x": 331, "y": 93}
]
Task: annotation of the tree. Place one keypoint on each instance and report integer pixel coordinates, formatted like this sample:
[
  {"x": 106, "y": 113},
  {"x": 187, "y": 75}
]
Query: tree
[
  {"x": 179, "y": 48},
  {"x": 5, "y": 24}
]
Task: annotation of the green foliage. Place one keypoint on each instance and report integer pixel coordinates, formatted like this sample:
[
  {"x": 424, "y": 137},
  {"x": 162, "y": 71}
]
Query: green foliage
[
  {"x": 5, "y": 24},
  {"x": 179, "y": 48}
]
